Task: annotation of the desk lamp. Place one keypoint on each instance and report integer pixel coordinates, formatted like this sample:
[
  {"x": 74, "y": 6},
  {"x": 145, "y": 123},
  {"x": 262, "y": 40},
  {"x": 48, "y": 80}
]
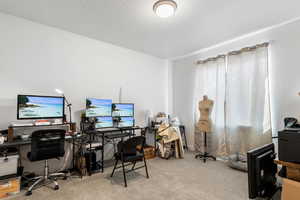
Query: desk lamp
[{"x": 69, "y": 105}]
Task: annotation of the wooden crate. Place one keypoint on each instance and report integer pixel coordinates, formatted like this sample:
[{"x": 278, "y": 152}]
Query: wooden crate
[
  {"x": 293, "y": 173},
  {"x": 292, "y": 169},
  {"x": 149, "y": 151},
  {"x": 9, "y": 187}
]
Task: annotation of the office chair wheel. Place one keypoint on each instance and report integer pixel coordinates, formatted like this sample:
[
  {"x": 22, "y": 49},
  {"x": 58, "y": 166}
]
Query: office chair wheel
[
  {"x": 56, "y": 187},
  {"x": 28, "y": 193}
]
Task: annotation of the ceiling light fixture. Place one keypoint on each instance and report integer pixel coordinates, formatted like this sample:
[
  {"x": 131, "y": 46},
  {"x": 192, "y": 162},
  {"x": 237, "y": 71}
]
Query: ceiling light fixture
[{"x": 165, "y": 8}]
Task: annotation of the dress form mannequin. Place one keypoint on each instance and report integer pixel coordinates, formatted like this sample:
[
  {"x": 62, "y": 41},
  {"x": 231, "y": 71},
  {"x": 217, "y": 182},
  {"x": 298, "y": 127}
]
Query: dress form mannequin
[
  {"x": 205, "y": 124},
  {"x": 205, "y": 108}
]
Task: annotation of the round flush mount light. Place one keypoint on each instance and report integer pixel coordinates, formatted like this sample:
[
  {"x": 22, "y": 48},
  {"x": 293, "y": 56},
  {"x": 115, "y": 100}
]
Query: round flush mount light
[{"x": 165, "y": 8}]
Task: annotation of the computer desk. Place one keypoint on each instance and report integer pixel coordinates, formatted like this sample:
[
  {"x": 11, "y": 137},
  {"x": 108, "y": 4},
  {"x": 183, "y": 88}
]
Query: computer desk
[
  {"x": 17, "y": 143},
  {"x": 21, "y": 142},
  {"x": 110, "y": 134}
]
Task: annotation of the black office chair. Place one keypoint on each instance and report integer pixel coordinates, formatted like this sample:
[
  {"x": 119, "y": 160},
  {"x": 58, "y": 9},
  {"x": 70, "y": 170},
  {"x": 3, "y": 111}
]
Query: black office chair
[
  {"x": 46, "y": 144},
  {"x": 130, "y": 151}
]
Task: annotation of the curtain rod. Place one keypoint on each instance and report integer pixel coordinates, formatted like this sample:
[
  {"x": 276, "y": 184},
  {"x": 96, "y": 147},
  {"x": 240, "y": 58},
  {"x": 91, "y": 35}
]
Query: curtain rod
[{"x": 245, "y": 49}]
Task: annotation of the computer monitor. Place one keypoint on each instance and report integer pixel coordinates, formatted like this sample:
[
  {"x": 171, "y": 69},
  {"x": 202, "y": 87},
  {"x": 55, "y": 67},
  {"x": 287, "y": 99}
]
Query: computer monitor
[
  {"x": 123, "y": 110},
  {"x": 125, "y": 122},
  {"x": 40, "y": 107},
  {"x": 98, "y": 107},
  {"x": 103, "y": 122},
  {"x": 262, "y": 172}
]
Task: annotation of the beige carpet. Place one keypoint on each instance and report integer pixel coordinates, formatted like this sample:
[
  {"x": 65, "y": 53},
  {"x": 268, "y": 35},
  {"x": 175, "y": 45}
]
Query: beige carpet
[{"x": 184, "y": 179}]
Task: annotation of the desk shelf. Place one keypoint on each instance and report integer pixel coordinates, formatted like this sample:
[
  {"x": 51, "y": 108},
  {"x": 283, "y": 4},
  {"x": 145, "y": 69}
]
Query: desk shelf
[{"x": 117, "y": 133}]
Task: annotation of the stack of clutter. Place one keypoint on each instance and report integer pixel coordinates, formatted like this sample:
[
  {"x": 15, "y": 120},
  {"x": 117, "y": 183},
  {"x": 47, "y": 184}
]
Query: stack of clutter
[{"x": 170, "y": 142}]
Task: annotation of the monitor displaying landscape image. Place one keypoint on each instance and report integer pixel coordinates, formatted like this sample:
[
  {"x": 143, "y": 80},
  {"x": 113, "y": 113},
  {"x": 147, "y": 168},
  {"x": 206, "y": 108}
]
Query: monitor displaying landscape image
[
  {"x": 123, "y": 110},
  {"x": 103, "y": 122},
  {"x": 98, "y": 107},
  {"x": 126, "y": 122},
  {"x": 40, "y": 107}
]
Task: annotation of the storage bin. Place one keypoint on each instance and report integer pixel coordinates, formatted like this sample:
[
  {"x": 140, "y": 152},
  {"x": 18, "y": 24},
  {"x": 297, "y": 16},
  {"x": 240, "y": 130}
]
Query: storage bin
[{"x": 8, "y": 165}]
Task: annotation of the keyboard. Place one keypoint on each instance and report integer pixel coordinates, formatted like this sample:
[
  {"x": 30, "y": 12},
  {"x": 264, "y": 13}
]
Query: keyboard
[
  {"x": 107, "y": 129},
  {"x": 20, "y": 125},
  {"x": 118, "y": 135},
  {"x": 129, "y": 128}
]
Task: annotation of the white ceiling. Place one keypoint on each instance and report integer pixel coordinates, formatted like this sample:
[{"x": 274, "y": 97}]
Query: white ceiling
[{"x": 132, "y": 23}]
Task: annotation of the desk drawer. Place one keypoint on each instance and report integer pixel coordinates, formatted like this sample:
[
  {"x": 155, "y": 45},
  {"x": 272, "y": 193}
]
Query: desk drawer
[{"x": 8, "y": 165}]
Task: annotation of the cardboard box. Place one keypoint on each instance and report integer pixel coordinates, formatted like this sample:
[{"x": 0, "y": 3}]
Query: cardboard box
[
  {"x": 293, "y": 169},
  {"x": 290, "y": 190},
  {"x": 9, "y": 187},
  {"x": 149, "y": 152}
]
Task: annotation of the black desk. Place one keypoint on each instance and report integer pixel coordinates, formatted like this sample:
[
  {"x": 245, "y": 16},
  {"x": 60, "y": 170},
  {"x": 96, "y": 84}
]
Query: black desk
[
  {"x": 17, "y": 143},
  {"x": 110, "y": 134},
  {"x": 20, "y": 142}
]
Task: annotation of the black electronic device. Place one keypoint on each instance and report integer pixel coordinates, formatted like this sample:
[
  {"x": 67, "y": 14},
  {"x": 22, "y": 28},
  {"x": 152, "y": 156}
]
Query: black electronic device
[
  {"x": 289, "y": 146},
  {"x": 104, "y": 122},
  {"x": 262, "y": 172},
  {"x": 123, "y": 110},
  {"x": 125, "y": 122},
  {"x": 98, "y": 107},
  {"x": 91, "y": 162},
  {"x": 291, "y": 123},
  {"x": 40, "y": 107}
]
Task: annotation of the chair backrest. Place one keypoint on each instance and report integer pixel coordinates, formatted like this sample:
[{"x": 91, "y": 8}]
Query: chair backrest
[
  {"x": 129, "y": 147},
  {"x": 47, "y": 144}
]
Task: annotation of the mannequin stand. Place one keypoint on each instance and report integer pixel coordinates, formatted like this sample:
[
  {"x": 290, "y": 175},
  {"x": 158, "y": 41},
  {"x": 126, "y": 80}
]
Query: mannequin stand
[{"x": 205, "y": 156}]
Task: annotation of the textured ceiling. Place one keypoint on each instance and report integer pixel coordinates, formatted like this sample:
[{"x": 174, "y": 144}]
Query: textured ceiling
[{"x": 132, "y": 23}]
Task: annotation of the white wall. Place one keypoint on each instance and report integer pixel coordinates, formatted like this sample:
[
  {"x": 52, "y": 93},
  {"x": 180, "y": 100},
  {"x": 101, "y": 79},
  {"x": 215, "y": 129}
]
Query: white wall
[
  {"x": 284, "y": 74},
  {"x": 36, "y": 59}
]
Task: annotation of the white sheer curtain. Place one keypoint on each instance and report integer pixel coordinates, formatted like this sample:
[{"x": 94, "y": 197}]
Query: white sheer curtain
[
  {"x": 210, "y": 81},
  {"x": 248, "y": 123}
]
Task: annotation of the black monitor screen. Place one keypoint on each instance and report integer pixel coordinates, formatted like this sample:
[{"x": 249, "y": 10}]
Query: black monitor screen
[
  {"x": 126, "y": 122},
  {"x": 98, "y": 107},
  {"x": 103, "y": 122},
  {"x": 40, "y": 107},
  {"x": 123, "y": 110},
  {"x": 261, "y": 171}
]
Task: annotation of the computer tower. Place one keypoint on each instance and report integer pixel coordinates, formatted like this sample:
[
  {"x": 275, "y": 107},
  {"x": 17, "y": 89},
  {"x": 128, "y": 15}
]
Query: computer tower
[
  {"x": 91, "y": 161},
  {"x": 289, "y": 146}
]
